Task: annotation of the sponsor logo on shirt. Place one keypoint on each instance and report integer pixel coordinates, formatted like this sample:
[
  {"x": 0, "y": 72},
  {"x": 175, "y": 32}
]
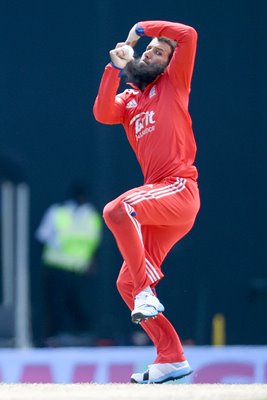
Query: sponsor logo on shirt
[{"x": 144, "y": 123}]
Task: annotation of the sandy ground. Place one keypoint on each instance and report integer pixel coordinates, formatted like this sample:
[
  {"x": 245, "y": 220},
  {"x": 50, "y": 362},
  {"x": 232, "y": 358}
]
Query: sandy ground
[{"x": 130, "y": 391}]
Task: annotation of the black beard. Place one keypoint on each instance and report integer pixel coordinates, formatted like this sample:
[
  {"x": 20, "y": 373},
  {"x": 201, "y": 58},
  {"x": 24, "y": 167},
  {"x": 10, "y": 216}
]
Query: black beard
[{"x": 141, "y": 74}]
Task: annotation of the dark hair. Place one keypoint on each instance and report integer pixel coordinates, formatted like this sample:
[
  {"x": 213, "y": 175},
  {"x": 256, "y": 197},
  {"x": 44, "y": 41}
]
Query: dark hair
[{"x": 170, "y": 42}]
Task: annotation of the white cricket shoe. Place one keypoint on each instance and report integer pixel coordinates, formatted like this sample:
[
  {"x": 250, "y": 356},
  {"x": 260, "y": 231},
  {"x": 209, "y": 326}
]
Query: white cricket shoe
[
  {"x": 160, "y": 373},
  {"x": 146, "y": 305}
]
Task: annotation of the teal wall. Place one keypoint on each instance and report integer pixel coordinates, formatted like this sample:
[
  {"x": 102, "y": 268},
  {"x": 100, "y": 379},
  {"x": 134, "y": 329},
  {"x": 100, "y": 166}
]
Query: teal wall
[{"x": 52, "y": 57}]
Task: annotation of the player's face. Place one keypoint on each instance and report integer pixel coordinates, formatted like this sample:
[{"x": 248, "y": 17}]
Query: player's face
[
  {"x": 144, "y": 70},
  {"x": 156, "y": 53}
]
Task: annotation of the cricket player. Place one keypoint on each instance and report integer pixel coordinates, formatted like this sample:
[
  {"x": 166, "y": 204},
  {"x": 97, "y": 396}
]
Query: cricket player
[{"x": 148, "y": 220}]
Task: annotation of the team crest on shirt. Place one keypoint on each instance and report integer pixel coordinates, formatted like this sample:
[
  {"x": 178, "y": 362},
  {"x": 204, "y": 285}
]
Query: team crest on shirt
[
  {"x": 152, "y": 92},
  {"x": 131, "y": 104}
]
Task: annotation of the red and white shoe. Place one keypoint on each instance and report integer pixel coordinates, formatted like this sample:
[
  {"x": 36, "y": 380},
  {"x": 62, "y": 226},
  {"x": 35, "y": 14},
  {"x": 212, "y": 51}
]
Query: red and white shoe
[
  {"x": 146, "y": 306},
  {"x": 160, "y": 373}
]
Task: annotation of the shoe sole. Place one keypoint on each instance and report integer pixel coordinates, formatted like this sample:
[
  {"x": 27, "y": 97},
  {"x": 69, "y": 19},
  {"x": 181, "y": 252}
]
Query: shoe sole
[
  {"x": 137, "y": 318},
  {"x": 167, "y": 378}
]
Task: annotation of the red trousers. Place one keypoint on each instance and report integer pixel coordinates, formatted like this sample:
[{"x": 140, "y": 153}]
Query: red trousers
[{"x": 146, "y": 222}]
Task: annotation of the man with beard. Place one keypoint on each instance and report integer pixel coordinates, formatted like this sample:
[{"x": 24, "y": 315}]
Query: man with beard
[{"x": 148, "y": 220}]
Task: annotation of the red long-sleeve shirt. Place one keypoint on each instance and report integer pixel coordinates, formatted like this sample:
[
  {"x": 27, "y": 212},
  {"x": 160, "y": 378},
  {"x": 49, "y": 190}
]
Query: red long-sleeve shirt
[{"x": 156, "y": 121}]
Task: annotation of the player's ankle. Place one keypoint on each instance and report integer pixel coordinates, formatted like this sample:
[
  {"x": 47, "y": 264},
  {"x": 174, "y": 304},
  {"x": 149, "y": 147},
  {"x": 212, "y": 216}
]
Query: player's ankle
[{"x": 148, "y": 290}]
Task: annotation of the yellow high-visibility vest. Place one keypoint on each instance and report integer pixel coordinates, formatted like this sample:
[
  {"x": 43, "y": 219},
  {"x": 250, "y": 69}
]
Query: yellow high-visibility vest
[{"x": 77, "y": 235}]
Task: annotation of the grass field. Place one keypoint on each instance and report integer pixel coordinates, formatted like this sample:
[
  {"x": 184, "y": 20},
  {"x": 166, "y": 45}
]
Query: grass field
[{"x": 130, "y": 391}]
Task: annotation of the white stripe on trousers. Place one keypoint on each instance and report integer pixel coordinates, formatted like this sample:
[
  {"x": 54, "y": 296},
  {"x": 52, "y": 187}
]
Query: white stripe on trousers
[
  {"x": 136, "y": 224},
  {"x": 158, "y": 193},
  {"x": 150, "y": 269}
]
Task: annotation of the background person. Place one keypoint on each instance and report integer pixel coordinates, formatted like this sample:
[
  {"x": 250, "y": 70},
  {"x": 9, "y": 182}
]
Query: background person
[{"x": 70, "y": 233}]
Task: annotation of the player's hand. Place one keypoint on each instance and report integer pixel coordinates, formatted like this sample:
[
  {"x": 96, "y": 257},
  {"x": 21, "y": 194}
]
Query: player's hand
[
  {"x": 132, "y": 37},
  {"x": 120, "y": 56}
]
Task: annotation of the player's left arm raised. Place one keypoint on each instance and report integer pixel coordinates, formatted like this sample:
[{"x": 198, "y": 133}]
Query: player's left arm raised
[{"x": 108, "y": 107}]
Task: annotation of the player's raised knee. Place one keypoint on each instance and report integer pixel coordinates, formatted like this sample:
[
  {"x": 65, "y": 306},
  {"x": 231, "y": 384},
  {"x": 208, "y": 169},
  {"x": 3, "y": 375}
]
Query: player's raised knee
[{"x": 114, "y": 212}]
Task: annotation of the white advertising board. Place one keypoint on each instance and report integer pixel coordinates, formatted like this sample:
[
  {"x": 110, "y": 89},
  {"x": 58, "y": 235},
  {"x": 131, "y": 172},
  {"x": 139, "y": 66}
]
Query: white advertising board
[{"x": 230, "y": 364}]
